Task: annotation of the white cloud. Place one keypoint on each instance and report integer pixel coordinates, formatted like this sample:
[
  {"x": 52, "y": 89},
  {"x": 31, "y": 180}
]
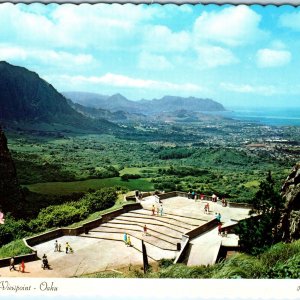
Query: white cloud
[
  {"x": 11, "y": 53},
  {"x": 213, "y": 56},
  {"x": 290, "y": 20},
  {"x": 268, "y": 58},
  {"x": 103, "y": 26},
  {"x": 149, "y": 61},
  {"x": 232, "y": 26},
  {"x": 48, "y": 57},
  {"x": 160, "y": 38},
  {"x": 122, "y": 81},
  {"x": 265, "y": 90}
]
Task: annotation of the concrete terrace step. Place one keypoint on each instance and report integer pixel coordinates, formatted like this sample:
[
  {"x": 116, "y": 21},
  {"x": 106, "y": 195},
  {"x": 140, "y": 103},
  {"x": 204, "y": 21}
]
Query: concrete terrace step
[
  {"x": 152, "y": 251},
  {"x": 139, "y": 235},
  {"x": 182, "y": 226},
  {"x": 137, "y": 228},
  {"x": 139, "y": 218},
  {"x": 159, "y": 223},
  {"x": 191, "y": 221}
]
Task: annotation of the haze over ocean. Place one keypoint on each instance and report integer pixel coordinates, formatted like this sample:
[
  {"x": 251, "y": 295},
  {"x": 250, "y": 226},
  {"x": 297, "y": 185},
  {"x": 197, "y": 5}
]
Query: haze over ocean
[{"x": 279, "y": 116}]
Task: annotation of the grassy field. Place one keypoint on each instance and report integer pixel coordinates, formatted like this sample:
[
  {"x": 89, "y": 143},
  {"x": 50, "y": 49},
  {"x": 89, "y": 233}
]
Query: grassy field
[
  {"x": 64, "y": 188},
  {"x": 139, "y": 171}
]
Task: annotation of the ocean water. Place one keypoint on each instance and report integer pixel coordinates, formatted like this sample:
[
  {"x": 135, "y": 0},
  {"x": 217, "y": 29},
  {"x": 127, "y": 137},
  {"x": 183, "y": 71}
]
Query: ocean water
[{"x": 267, "y": 116}]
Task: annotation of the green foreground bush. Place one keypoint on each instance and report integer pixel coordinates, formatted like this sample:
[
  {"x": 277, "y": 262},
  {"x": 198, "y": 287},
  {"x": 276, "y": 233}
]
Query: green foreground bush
[
  {"x": 280, "y": 261},
  {"x": 58, "y": 215}
]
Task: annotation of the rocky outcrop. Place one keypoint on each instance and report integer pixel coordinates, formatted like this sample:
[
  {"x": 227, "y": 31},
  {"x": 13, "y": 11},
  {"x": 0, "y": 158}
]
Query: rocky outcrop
[
  {"x": 11, "y": 197},
  {"x": 290, "y": 225}
]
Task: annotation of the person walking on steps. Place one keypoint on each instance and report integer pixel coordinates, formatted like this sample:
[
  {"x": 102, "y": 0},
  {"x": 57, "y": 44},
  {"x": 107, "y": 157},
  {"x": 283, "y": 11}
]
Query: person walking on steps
[
  {"x": 128, "y": 241},
  {"x": 145, "y": 230},
  {"x": 153, "y": 210}
]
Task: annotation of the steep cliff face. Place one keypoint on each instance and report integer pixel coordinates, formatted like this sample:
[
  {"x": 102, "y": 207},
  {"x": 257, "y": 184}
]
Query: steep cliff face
[
  {"x": 290, "y": 224},
  {"x": 11, "y": 197}
]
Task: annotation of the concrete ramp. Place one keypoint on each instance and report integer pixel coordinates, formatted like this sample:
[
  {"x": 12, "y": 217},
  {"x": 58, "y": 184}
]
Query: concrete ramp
[{"x": 205, "y": 249}]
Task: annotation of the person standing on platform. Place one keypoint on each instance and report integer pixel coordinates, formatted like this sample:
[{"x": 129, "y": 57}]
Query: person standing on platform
[
  {"x": 12, "y": 264},
  {"x": 56, "y": 246},
  {"x": 153, "y": 210}
]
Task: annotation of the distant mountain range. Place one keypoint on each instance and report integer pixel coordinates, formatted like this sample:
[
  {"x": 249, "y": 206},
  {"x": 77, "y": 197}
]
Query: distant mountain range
[
  {"x": 118, "y": 102},
  {"x": 29, "y": 102},
  {"x": 27, "y": 98}
]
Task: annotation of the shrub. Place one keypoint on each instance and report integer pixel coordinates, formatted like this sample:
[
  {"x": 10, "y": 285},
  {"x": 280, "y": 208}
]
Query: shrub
[
  {"x": 60, "y": 215},
  {"x": 13, "y": 229},
  {"x": 289, "y": 269},
  {"x": 164, "y": 263},
  {"x": 100, "y": 200}
]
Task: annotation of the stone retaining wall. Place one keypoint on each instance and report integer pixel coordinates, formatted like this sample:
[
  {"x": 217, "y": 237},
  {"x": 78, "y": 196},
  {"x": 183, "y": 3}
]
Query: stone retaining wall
[
  {"x": 164, "y": 196},
  {"x": 30, "y": 242},
  {"x": 203, "y": 228},
  {"x": 190, "y": 235},
  {"x": 18, "y": 259}
]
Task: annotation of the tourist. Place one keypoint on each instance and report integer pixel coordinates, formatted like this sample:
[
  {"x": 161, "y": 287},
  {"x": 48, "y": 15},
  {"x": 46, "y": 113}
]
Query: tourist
[
  {"x": 12, "y": 264},
  {"x": 128, "y": 241},
  {"x": 70, "y": 249},
  {"x": 59, "y": 247},
  {"x": 45, "y": 263},
  {"x": 220, "y": 229},
  {"x": 161, "y": 210},
  {"x": 202, "y": 197},
  {"x": 125, "y": 237},
  {"x": 153, "y": 210},
  {"x": 219, "y": 217},
  {"x": 157, "y": 210},
  {"x": 193, "y": 195},
  {"x": 67, "y": 247},
  {"x": 189, "y": 195},
  {"x": 214, "y": 198},
  {"x": 206, "y": 208},
  {"x": 22, "y": 267},
  {"x": 145, "y": 230},
  {"x": 56, "y": 246}
]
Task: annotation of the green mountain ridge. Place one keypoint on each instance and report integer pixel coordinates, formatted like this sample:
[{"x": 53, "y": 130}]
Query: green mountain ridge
[
  {"x": 118, "y": 102},
  {"x": 25, "y": 98}
]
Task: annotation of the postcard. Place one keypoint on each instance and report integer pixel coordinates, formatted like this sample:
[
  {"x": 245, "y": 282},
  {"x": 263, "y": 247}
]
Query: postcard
[{"x": 149, "y": 150}]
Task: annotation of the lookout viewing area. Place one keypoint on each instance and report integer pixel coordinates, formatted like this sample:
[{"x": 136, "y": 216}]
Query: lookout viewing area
[{"x": 183, "y": 232}]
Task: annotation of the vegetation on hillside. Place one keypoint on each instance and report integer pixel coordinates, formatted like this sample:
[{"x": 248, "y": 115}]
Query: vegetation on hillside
[
  {"x": 260, "y": 231},
  {"x": 57, "y": 215}
]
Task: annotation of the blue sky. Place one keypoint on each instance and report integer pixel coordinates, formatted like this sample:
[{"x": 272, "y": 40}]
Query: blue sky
[{"x": 237, "y": 55}]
